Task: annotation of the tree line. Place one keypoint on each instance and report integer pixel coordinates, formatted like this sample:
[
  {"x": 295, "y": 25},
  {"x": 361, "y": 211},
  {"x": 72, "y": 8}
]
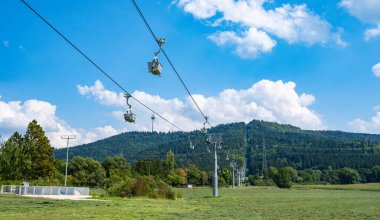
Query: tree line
[
  {"x": 31, "y": 158},
  {"x": 285, "y": 177},
  {"x": 283, "y": 145}
]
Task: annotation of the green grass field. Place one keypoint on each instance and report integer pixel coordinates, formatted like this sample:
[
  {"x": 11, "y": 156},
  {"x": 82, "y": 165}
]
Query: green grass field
[{"x": 302, "y": 202}]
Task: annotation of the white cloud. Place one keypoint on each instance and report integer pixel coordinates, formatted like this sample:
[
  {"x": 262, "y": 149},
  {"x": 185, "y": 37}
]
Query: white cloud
[
  {"x": 6, "y": 43},
  {"x": 265, "y": 100},
  {"x": 306, "y": 99},
  {"x": 371, "y": 126},
  {"x": 250, "y": 45},
  {"x": 292, "y": 23},
  {"x": 367, "y": 11},
  {"x": 376, "y": 108},
  {"x": 359, "y": 125},
  {"x": 372, "y": 32},
  {"x": 376, "y": 70},
  {"x": 16, "y": 115},
  {"x": 103, "y": 96}
]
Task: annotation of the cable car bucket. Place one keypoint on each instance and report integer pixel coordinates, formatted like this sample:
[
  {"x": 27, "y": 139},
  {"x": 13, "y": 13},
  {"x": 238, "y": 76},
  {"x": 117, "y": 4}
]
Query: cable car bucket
[
  {"x": 155, "y": 67},
  {"x": 191, "y": 144},
  {"x": 129, "y": 116},
  {"x": 204, "y": 129}
]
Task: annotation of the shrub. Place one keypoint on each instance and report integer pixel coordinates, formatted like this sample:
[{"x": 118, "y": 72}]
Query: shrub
[
  {"x": 164, "y": 191},
  {"x": 121, "y": 189},
  {"x": 256, "y": 180},
  {"x": 11, "y": 182},
  {"x": 222, "y": 182},
  {"x": 283, "y": 177},
  {"x": 175, "y": 180},
  {"x": 348, "y": 176},
  {"x": 331, "y": 176},
  {"x": 98, "y": 192},
  {"x": 143, "y": 186}
]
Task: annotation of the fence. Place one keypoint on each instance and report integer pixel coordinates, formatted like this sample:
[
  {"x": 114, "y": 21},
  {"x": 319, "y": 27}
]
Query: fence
[{"x": 44, "y": 190}]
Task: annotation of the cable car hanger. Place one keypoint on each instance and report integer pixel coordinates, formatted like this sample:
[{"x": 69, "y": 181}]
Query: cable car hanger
[
  {"x": 155, "y": 67},
  {"x": 191, "y": 144},
  {"x": 204, "y": 129},
  {"x": 129, "y": 116}
]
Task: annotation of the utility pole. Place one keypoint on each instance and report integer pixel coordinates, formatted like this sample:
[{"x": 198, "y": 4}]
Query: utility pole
[
  {"x": 233, "y": 177},
  {"x": 233, "y": 166},
  {"x": 153, "y": 117},
  {"x": 67, "y": 137},
  {"x": 265, "y": 165},
  {"x": 215, "y": 139},
  {"x": 242, "y": 172}
]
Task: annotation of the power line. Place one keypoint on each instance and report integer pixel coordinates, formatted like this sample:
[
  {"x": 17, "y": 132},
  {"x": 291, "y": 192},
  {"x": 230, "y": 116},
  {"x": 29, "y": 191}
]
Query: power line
[
  {"x": 168, "y": 59},
  {"x": 97, "y": 66}
]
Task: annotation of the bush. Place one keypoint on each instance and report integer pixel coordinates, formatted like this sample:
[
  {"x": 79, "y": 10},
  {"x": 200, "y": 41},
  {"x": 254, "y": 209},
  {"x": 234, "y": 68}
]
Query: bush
[
  {"x": 143, "y": 186},
  {"x": 264, "y": 182},
  {"x": 331, "y": 176},
  {"x": 121, "y": 189},
  {"x": 310, "y": 176},
  {"x": 164, "y": 191},
  {"x": 98, "y": 192},
  {"x": 348, "y": 176},
  {"x": 11, "y": 182},
  {"x": 86, "y": 172},
  {"x": 283, "y": 177},
  {"x": 222, "y": 182},
  {"x": 256, "y": 180},
  {"x": 175, "y": 180},
  {"x": 253, "y": 178}
]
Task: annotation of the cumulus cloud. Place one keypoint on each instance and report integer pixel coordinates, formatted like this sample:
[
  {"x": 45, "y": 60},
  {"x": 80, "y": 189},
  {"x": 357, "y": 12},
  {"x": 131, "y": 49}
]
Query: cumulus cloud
[
  {"x": 376, "y": 70},
  {"x": 292, "y": 23},
  {"x": 172, "y": 109},
  {"x": 16, "y": 115},
  {"x": 371, "y": 126},
  {"x": 372, "y": 32},
  {"x": 366, "y": 11},
  {"x": 250, "y": 45},
  {"x": 105, "y": 97},
  {"x": 264, "y": 100}
]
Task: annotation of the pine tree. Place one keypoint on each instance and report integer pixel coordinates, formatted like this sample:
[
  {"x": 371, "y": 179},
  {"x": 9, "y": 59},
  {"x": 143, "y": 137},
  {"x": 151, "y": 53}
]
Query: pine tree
[
  {"x": 12, "y": 159},
  {"x": 40, "y": 152}
]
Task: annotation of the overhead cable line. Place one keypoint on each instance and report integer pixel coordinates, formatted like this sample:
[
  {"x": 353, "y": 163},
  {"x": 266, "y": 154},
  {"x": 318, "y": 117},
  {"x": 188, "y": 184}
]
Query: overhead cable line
[
  {"x": 97, "y": 66},
  {"x": 168, "y": 59}
]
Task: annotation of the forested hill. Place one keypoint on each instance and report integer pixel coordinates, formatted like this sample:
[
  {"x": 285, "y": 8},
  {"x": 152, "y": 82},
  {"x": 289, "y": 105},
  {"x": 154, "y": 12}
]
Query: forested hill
[{"x": 284, "y": 145}]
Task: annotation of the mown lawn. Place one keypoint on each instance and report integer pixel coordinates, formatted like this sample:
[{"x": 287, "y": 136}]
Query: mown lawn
[{"x": 316, "y": 202}]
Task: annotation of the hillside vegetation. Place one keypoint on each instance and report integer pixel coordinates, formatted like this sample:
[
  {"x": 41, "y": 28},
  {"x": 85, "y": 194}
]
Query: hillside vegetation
[{"x": 284, "y": 145}]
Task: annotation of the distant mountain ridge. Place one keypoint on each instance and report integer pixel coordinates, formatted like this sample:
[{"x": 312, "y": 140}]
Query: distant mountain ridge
[{"x": 285, "y": 145}]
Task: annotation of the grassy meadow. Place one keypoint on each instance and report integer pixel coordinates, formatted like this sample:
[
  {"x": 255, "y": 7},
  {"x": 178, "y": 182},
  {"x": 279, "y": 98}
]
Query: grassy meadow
[{"x": 360, "y": 201}]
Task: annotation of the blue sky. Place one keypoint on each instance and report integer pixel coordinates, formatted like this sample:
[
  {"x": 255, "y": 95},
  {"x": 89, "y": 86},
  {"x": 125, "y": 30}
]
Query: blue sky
[{"x": 307, "y": 63}]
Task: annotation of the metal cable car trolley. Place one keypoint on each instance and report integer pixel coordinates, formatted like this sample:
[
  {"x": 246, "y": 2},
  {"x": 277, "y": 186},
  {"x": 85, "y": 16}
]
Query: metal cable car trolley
[
  {"x": 191, "y": 144},
  {"x": 155, "y": 67},
  {"x": 204, "y": 129},
  {"x": 129, "y": 116}
]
